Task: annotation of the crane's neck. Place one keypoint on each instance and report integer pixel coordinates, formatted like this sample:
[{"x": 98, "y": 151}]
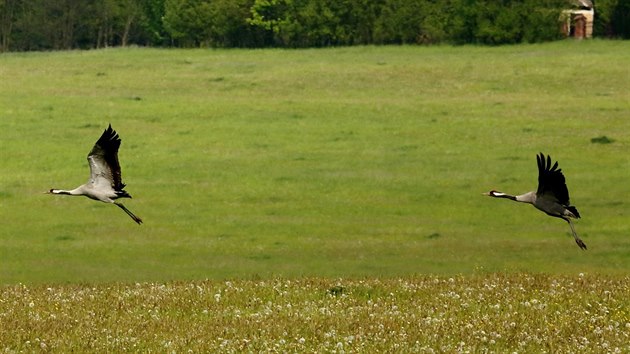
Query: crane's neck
[
  {"x": 502, "y": 195},
  {"x": 529, "y": 197}
]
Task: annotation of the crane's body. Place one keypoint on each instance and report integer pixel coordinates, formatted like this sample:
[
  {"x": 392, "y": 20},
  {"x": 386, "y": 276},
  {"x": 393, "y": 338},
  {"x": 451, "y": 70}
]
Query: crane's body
[
  {"x": 105, "y": 183},
  {"x": 551, "y": 197}
]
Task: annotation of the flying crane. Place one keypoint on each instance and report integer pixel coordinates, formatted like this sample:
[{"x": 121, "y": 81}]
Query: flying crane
[{"x": 105, "y": 183}]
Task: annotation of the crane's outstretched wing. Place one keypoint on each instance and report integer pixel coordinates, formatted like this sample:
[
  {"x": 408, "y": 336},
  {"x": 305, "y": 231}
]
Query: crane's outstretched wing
[
  {"x": 551, "y": 184},
  {"x": 103, "y": 160}
]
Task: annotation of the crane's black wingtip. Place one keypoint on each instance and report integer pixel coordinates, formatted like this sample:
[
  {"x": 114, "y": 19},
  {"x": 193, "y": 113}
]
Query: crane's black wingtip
[
  {"x": 545, "y": 164},
  {"x": 109, "y": 134},
  {"x": 540, "y": 161},
  {"x": 541, "y": 158},
  {"x": 110, "y": 129}
]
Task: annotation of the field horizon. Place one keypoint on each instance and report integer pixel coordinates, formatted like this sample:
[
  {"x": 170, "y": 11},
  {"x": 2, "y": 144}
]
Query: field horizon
[{"x": 338, "y": 162}]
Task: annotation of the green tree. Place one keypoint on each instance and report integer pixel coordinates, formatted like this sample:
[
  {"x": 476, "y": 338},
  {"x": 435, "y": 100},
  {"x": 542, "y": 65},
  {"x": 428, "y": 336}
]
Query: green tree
[
  {"x": 362, "y": 16},
  {"x": 151, "y": 22},
  {"x": 8, "y": 13},
  {"x": 499, "y": 23},
  {"x": 187, "y": 21},
  {"x": 113, "y": 21},
  {"x": 228, "y": 26},
  {"x": 274, "y": 16},
  {"x": 541, "y": 20},
  {"x": 621, "y": 19},
  {"x": 400, "y": 22}
]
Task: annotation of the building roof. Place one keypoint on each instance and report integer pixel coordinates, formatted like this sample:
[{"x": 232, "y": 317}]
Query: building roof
[{"x": 583, "y": 3}]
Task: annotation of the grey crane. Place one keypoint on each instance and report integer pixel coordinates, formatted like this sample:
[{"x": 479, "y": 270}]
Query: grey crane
[
  {"x": 105, "y": 183},
  {"x": 551, "y": 197}
]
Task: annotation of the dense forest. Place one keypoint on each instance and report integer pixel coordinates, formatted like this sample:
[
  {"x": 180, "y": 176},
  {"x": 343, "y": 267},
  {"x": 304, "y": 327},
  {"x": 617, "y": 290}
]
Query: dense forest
[{"x": 27, "y": 25}]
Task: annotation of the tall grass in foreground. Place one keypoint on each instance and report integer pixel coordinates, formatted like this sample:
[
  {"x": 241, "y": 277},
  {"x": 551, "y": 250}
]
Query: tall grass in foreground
[{"x": 495, "y": 313}]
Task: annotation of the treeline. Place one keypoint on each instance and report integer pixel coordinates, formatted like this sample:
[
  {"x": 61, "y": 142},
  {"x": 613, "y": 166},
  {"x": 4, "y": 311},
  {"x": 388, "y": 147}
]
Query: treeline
[{"x": 69, "y": 24}]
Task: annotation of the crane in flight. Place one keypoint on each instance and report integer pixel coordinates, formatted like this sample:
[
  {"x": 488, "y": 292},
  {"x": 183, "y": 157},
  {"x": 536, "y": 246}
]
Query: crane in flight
[
  {"x": 105, "y": 183},
  {"x": 551, "y": 197}
]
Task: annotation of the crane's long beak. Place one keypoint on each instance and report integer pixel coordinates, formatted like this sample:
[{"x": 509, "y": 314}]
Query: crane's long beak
[{"x": 486, "y": 194}]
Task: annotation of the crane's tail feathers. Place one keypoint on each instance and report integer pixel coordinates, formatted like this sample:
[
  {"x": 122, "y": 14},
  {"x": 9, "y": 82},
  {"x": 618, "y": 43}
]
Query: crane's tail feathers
[
  {"x": 577, "y": 239},
  {"x": 574, "y": 211},
  {"x": 135, "y": 218},
  {"x": 122, "y": 194}
]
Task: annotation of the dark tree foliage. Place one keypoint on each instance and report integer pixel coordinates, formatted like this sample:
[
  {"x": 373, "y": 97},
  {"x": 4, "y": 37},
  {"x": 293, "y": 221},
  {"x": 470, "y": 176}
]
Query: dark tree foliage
[
  {"x": 69, "y": 24},
  {"x": 621, "y": 19},
  {"x": 151, "y": 24},
  {"x": 612, "y": 18}
]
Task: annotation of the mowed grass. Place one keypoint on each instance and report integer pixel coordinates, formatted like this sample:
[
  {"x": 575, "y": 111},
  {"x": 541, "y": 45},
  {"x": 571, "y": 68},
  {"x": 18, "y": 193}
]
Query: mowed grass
[
  {"x": 498, "y": 313},
  {"x": 345, "y": 162}
]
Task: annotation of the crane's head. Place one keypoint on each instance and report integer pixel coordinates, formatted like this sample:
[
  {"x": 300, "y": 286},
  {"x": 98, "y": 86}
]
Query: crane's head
[
  {"x": 495, "y": 194},
  {"x": 56, "y": 191}
]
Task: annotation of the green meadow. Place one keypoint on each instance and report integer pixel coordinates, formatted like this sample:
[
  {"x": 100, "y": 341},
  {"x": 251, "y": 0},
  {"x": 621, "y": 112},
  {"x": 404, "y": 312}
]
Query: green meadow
[{"x": 342, "y": 162}]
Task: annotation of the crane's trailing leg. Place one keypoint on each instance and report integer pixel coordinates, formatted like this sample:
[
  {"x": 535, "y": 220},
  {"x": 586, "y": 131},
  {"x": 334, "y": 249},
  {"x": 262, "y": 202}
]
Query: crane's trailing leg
[
  {"x": 135, "y": 218},
  {"x": 577, "y": 239}
]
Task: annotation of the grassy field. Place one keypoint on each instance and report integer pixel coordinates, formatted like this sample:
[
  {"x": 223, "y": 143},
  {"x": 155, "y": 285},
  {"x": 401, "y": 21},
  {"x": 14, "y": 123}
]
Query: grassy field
[
  {"x": 346, "y": 162},
  {"x": 498, "y": 313}
]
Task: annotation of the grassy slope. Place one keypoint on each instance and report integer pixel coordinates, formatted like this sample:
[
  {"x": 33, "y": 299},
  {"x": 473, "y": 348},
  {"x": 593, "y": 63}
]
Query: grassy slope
[{"x": 365, "y": 161}]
